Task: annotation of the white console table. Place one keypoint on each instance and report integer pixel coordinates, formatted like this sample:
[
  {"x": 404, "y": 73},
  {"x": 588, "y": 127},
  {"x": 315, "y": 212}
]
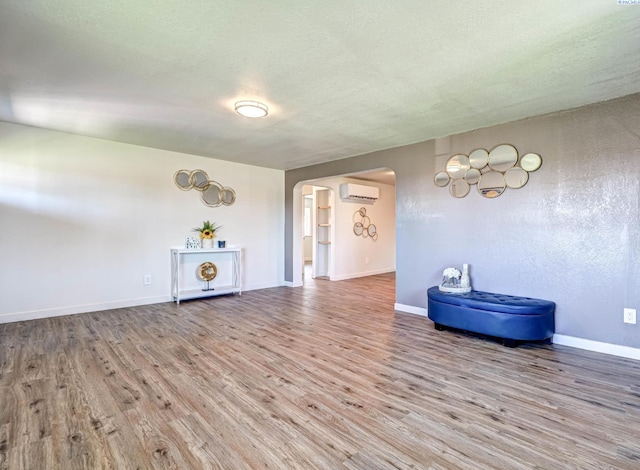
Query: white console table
[{"x": 181, "y": 257}]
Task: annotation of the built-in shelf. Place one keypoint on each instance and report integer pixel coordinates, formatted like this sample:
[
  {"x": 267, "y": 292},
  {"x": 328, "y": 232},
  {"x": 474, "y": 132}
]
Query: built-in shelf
[
  {"x": 324, "y": 243},
  {"x": 324, "y": 225}
]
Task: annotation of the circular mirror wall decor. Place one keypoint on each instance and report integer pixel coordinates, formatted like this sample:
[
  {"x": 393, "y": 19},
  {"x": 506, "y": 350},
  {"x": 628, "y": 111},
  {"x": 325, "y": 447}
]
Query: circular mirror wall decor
[
  {"x": 472, "y": 176},
  {"x": 492, "y": 172},
  {"x": 442, "y": 179},
  {"x": 228, "y": 196},
  {"x": 457, "y": 166},
  {"x": 530, "y": 162},
  {"x": 212, "y": 195},
  {"x": 503, "y": 157},
  {"x": 479, "y": 158},
  {"x": 459, "y": 188},
  {"x": 182, "y": 179},
  {"x": 199, "y": 180},
  {"x": 491, "y": 184},
  {"x": 516, "y": 178},
  {"x": 363, "y": 227}
]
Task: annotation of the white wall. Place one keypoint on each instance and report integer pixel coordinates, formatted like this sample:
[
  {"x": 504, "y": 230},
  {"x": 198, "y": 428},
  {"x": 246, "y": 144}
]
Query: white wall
[
  {"x": 82, "y": 220},
  {"x": 307, "y": 242},
  {"x": 355, "y": 256}
]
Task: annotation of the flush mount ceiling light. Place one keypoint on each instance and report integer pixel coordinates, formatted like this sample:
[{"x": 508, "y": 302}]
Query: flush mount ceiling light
[{"x": 252, "y": 109}]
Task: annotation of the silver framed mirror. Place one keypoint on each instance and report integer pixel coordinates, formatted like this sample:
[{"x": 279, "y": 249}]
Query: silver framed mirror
[
  {"x": 357, "y": 228},
  {"x": 502, "y": 157},
  {"x": 441, "y": 179},
  {"x": 530, "y": 162},
  {"x": 472, "y": 176},
  {"x": 371, "y": 230},
  {"x": 459, "y": 188},
  {"x": 516, "y": 177},
  {"x": 491, "y": 184},
  {"x": 479, "y": 158},
  {"x": 457, "y": 166}
]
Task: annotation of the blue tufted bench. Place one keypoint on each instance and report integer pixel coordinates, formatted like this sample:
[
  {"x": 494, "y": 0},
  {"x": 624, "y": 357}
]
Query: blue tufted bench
[{"x": 511, "y": 318}]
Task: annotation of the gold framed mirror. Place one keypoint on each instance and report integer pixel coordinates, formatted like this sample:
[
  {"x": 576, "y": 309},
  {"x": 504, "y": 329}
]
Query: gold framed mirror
[
  {"x": 502, "y": 157},
  {"x": 530, "y": 162},
  {"x": 457, "y": 166}
]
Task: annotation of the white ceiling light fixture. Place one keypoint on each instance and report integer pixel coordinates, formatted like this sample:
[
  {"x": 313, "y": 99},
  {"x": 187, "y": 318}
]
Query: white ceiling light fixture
[{"x": 252, "y": 109}]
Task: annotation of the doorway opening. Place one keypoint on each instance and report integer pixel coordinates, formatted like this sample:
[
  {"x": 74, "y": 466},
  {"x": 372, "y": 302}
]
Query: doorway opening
[{"x": 329, "y": 243}]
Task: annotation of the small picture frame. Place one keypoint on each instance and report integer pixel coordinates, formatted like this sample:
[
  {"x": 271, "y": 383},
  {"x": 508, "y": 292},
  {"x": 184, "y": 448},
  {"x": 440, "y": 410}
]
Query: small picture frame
[
  {"x": 192, "y": 243},
  {"x": 222, "y": 244}
]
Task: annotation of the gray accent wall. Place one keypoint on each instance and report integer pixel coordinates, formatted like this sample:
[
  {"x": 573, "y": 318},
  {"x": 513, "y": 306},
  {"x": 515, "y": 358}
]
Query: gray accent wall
[{"x": 571, "y": 235}]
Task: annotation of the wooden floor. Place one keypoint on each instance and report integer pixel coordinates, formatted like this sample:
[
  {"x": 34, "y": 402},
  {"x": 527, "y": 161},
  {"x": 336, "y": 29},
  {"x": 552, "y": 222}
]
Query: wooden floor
[{"x": 323, "y": 376}]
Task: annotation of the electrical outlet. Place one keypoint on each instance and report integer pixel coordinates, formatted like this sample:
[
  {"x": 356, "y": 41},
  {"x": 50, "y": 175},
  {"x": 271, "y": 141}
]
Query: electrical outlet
[
  {"x": 630, "y": 315},
  {"x": 147, "y": 279}
]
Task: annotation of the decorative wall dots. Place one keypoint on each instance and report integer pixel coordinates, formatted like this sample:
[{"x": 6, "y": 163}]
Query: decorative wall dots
[
  {"x": 362, "y": 226},
  {"x": 212, "y": 193},
  {"x": 492, "y": 171}
]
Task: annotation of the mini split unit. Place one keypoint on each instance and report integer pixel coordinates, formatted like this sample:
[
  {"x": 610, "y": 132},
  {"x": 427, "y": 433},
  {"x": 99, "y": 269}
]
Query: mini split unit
[{"x": 359, "y": 192}]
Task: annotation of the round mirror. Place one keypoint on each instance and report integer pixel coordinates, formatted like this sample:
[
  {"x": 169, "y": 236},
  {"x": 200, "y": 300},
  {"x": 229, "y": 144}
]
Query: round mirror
[
  {"x": 366, "y": 221},
  {"x": 212, "y": 194},
  {"x": 459, "y": 188},
  {"x": 357, "y": 228},
  {"x": 228, "y": 196},
  {"x": 441, "y": 179},
  {"x": 531, "y": 162},
  {"x": 516, "y": 178},
  {"x": 199, "y": 180},
  {"x": 503, "y": 157},
  {"x": 371, "y": 230},
  {"x": 491, "y": 184},
  {"x": 472, "y": 176},
  {"x": 182, "y": 179},
  {"x": 457, "y": 166},
  {"x": 362, "y": 211},
  {"x": 478, "y": 158}
]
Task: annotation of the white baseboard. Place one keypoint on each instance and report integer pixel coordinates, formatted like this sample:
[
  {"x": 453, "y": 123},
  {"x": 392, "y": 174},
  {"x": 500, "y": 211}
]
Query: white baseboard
[
  {"x": 293, "y": 284},
  {"x": 362, "y": 274},
  {"x": 410, "y": 309},
  {"x": 266, "y": 285},
  {"x": 597, "y": 346},
  {"x": 75, "y": 309},
  {"x": 572, "y": 341}
]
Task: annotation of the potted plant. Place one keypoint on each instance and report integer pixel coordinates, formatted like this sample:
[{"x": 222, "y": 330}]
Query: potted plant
[{"x": 207, "y": 233}]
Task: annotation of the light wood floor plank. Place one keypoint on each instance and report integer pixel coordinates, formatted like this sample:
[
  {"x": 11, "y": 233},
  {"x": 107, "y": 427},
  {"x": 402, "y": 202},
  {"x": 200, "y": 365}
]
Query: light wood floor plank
[{"x": 325, "y": 376}]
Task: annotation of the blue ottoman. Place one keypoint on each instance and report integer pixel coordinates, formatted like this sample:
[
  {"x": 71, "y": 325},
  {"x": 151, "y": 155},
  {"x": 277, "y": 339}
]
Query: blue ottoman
[{"x": 508, "y": 317}]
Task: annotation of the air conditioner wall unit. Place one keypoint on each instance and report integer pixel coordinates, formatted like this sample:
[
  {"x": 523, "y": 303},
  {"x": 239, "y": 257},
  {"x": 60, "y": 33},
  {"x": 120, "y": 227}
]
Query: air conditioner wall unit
[{"x": 359, "y": 192}]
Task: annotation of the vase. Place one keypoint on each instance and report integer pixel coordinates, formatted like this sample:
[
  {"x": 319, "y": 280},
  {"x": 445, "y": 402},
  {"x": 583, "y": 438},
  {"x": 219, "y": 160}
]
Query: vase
[{"x": 207, "y": 243}]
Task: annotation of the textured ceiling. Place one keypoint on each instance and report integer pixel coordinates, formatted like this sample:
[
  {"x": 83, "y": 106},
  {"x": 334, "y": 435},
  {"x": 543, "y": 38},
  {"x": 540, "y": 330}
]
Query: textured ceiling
[{"x": 341, "y": 78}]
